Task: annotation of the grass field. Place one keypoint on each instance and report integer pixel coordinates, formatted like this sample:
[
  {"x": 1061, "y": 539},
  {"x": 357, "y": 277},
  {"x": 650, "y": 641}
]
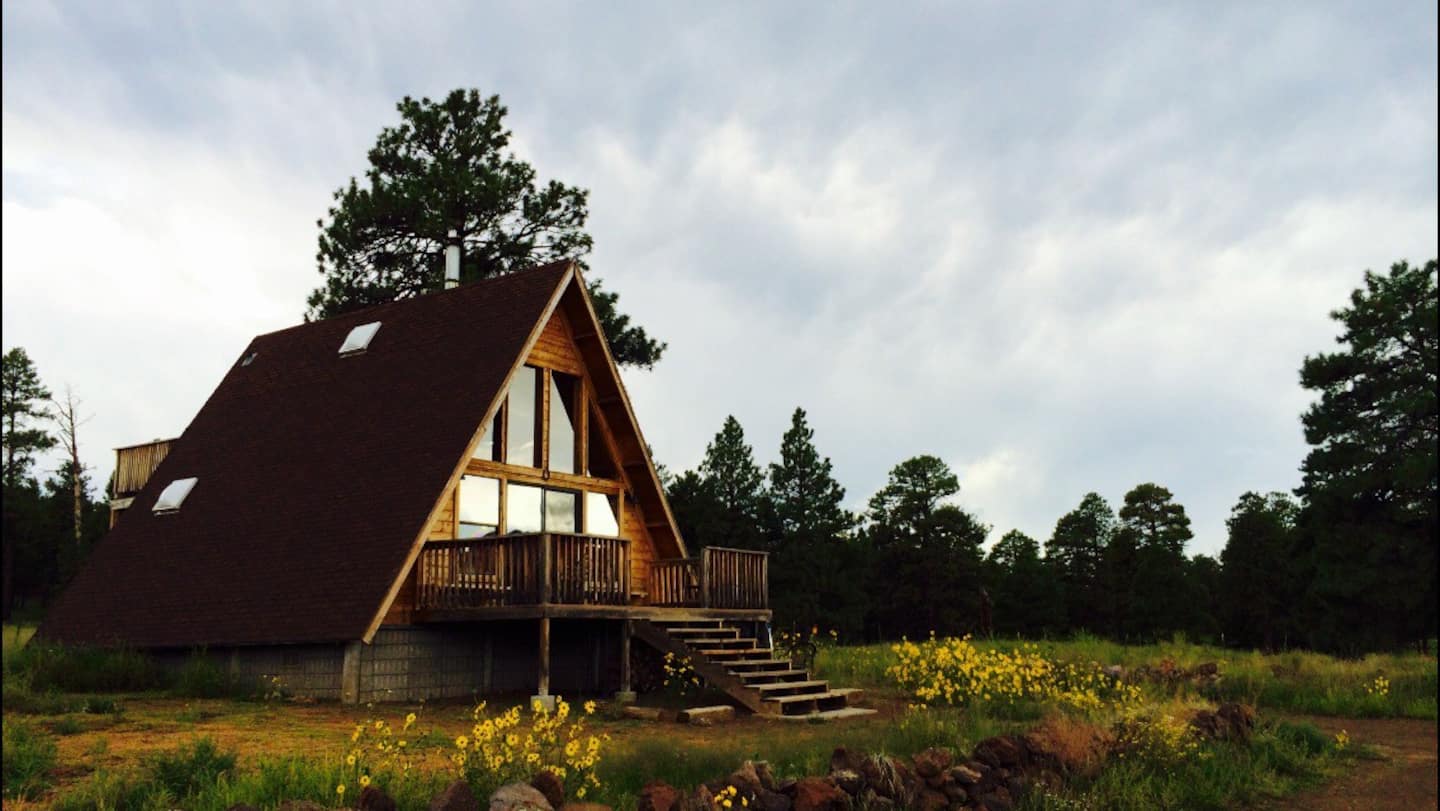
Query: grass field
[{"x": 154, "y": 748}]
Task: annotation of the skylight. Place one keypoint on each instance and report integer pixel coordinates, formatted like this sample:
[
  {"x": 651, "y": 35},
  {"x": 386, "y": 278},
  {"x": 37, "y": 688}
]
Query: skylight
[
  {"x": 174, "y": 495},
  {"x": 359, "y": 338}
]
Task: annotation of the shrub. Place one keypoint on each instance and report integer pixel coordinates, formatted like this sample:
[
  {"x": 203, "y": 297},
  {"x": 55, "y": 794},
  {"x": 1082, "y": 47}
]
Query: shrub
[
  {"x": 85, "y": 669},
  {"x": 28, "y": 756},
  {"x": 190, "y": 768},
  {"x": 202, "y": 677}
]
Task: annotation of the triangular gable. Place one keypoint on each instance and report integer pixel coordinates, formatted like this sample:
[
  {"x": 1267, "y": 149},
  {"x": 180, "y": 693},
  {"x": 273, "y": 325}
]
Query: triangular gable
[{"x": 566, "y": 336}]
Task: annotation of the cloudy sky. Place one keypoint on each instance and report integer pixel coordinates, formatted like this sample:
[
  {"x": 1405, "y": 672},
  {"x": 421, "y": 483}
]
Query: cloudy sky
[{"x": 1065, "y": 247}]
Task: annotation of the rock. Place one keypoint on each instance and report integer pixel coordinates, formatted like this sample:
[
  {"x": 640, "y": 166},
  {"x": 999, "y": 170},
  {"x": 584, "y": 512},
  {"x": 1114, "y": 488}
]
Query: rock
[
  {"x": 767, "y": 777},
  {"x": 998, "y": 800},
  {"x": 1241, "y": 719},
  {"x": 701, "y": 799},
  {"x": 721, "y": 712},
  {"x": 931, "y": 800},
  {"x": 1002, "y": 751},
  {"x": 871, "y": 801},
  {"x": 746, "y": 779},
  {"x": 658, "y": 795},
  {"x": 456, "y": 797},
  {"x": 931, "y": 762},
  {"x": 585, "y": 807},
  {"x": 844, "y": 758},
  {"x": 1206, "y": 670},
  {"x": 964, "y": 775},
  {"x": 848, "y": 781},
  {"x": 1016, "y": 786},
  {"x": 373, "y": 798},
  {"x": 546, "y": 782},
  {"x": 955, "y": 793},
  {"x": 767, "y": 800},
  {"x": 819, "y": 794},
  {"x": 887, "y": 777},
  {"x": 1116, "y": 672},
  {"x": 1230, "y": 722},
  {"x": 519, "y": 797},
  {"x": 651, "y": 713}
]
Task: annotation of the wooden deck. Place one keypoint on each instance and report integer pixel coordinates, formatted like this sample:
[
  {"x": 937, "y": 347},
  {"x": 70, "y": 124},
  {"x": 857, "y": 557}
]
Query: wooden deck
[{"x": 562, "y": 575}]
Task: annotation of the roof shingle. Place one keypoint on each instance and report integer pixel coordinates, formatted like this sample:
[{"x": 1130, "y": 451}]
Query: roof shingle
[{"x": 316, "y": 474}]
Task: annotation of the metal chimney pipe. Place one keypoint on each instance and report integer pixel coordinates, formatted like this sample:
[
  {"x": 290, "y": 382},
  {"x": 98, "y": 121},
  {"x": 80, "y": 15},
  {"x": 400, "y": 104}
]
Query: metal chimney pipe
[{"x": 452, "y": 261}]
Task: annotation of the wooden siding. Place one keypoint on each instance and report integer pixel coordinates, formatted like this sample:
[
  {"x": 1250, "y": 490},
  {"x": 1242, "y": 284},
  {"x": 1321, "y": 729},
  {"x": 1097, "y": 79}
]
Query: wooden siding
[
  {"x": 556, "y": 348},
  {"x": 133, "y": 465}
]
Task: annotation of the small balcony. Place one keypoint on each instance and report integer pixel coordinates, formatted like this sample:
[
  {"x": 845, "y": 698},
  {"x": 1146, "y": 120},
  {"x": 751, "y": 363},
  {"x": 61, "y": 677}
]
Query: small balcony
[{"x": 580, "y": 575}]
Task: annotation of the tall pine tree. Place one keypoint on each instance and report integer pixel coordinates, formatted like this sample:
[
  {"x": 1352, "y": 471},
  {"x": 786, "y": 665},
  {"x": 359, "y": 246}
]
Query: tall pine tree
[
  {"x": 813, "y": 559},
  {"x": 1161, "y": 599},
  {"x": 1077, "y": 552},
  {"x": 927, "y": 571},
  {"x": 1370, "y": 476},
  {"x": 732, "y": 501},
  {"x": 1026, "y": 600}
]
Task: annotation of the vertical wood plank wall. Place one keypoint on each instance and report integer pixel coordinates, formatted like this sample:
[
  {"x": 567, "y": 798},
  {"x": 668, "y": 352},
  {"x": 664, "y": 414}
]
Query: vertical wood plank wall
[{"x": 554, "y": 349}]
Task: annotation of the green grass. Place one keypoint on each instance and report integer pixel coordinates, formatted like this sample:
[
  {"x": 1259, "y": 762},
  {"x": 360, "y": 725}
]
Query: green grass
[
  {"x": 28, "y": 756},
  {"x": 1291, "y": 682}
]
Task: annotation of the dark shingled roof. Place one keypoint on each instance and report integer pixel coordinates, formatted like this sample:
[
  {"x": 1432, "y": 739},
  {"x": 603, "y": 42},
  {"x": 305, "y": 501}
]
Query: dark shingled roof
[{"x": 316, "y": 475}]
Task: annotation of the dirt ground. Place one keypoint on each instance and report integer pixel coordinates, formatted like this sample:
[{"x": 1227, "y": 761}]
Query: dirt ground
[{"x": 1405, "y": 780}]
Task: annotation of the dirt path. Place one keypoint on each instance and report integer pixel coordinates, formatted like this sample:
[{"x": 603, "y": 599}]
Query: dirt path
[{"x": 1405, "y": 780}]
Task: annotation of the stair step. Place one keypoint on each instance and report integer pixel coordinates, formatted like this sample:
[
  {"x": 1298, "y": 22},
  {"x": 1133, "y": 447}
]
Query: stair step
[
  {"x": 720, "y": 654},
  {"x": 825, "y": 715},
  {"x": 743, "y": 666},
  {"x": 755, "y": 677},
  {"x": 687, "y": 634},
  {"x": 770, "y": 690},
  {"x": 675, "y": 625},
  {"x": 853, "y": 695},
  {"x": 790, "y": 705},
  {"x": 703, "y": 645}
]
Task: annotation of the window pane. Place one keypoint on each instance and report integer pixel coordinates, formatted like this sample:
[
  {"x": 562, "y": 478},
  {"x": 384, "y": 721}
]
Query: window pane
[
  {"x": 475, "y": 530},
  {"x": 520, "y": 437},
  {"x": 560, "y": 509},
  {"x": 562, "y": 423},
  {"x": 600, "y": 515},
  {"x": 522, "y": 508},
  {"x": 489, "y": 447},
  {"x": 599, "y": 464},
  {"x": 479, "y": 500}
]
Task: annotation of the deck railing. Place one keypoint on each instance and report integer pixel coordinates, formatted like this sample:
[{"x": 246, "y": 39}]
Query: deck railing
[
  {"x": 719, "y": 578},
  {"x": 524, "y": 570}
]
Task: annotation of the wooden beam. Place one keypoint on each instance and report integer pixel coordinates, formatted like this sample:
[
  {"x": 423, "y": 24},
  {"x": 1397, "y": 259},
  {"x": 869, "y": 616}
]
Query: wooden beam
[
  {"x": 544, "y": 689},
  {"x": 558, "y": 611}
]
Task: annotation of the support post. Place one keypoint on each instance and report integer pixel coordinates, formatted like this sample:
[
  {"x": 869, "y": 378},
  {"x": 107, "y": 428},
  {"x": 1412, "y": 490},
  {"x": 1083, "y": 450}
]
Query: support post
[
  {"x": 542, "y": 694},
  {"x": 350, "y": 674},
  {"x": 626, "y": 694}
]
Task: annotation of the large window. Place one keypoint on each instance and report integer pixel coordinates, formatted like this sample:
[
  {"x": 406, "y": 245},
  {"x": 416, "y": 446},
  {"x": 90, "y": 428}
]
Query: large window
[
  {"x": 479, "y": 508},
  {"x": 563, "y": 391},
  {"x": 540, "y": 509},
  {"x": 600, "y": 515},
  {"x": 521, "y": 437}
]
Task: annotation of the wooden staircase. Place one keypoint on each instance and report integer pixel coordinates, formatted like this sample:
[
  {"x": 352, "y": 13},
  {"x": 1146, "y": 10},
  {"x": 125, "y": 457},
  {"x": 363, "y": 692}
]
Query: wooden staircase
[{"x": 747, "y": 670}]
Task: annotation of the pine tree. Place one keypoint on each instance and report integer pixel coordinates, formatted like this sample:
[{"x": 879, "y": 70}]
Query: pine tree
[
  {"x": 1257, "y": 564},
  {"x": 1371, "y": 475},
  {"x": 733, "y": 496},
  {"x": 810, "y": 539},
  {"x": 927, "y": 573},
  {"x": 1026, "y": 600},
  {"x": 23, "y": 401},
  {"x": 1077, "y": 551},
  {"x": 1161, "y": 600},
  {"x": 447, "y": 167}
]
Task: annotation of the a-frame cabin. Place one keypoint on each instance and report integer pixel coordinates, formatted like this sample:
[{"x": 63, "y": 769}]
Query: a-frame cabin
[{"x": 434, "y": 497}]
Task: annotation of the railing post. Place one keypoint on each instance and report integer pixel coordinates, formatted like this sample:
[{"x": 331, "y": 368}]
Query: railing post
[
  {"x": 705, "y": 578},
  {"x": 547, "y": 565}
]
